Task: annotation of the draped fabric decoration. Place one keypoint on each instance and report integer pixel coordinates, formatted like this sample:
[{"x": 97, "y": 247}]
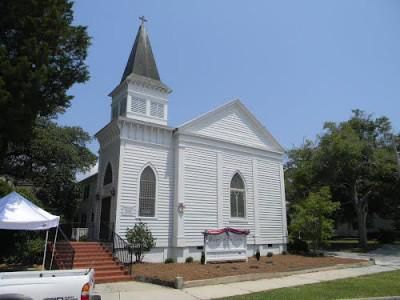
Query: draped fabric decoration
[{"x": 227, "y": 229}]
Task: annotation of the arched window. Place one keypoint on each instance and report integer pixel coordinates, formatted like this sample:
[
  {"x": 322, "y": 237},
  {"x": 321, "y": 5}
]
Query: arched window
[
  {"x": 238, "y": 197},
  {"x": 147, "y": 193},
  {"x": 108, "y": 175}
]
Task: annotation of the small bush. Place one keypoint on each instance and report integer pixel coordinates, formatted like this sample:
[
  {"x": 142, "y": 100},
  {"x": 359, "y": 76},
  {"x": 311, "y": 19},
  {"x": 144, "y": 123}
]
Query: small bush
[
  {"x": 140, "y": 240},
  {"x": 258, "y": 255},
  {"x": 189, "y": 260},
  {"x": 270, "y": 254},
  {"x": 284, "y": 252},
  {"x": 386, "y": 236},
  {"x": 83, "y": 238},
  {"x": 169, "y": 260},
  {"x": 203, "y": 258},
  {"x": 298, "y": 246}
]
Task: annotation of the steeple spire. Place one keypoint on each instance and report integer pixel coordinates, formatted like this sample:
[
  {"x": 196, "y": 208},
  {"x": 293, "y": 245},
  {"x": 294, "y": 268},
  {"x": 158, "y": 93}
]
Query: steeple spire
[{"x": 141, "y": 60}]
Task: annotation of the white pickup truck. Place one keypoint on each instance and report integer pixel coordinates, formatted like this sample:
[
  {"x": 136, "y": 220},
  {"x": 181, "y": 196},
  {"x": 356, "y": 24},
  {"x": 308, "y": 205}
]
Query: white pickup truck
[{"x": 48, "y": 285}]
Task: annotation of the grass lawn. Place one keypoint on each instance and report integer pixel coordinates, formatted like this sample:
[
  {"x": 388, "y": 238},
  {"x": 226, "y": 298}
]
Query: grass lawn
[{"x": 377, "y": 285}]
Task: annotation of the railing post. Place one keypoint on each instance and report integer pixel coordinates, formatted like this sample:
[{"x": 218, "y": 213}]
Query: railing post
[
  {"x": 130, "y": 263},
  {"x": 113, "y": 242}
]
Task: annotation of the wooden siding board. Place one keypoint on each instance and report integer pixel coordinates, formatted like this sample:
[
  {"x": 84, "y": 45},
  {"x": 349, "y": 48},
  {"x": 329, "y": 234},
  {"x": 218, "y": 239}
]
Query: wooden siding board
[
  {"x": 161, "y": 159},
  {"x": 232, "y": 126},
  {"x": 200, "y": 193}
]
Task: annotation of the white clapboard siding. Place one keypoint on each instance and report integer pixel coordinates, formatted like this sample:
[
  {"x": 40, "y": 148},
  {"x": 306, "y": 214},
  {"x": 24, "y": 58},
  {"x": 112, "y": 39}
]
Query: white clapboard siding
[
  {"x": 269, "y": 202},
  {"x": 134, "y": 158},
  {"x": 200, "y": 190},
  {"x": 232, "y": 126}
]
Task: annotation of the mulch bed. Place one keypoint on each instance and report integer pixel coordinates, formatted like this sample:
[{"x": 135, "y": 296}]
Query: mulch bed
[{"x": 196, "y": 271}]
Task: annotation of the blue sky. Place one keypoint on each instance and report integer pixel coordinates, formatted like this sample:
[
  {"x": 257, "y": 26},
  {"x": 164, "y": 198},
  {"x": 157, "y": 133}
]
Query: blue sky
[{"x": 294, "y": 64}]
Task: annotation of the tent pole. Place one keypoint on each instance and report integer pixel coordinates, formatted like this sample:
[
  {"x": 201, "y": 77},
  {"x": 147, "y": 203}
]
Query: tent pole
[
  {"x": 45, "y": 249},
  {"x": 54, "y": 246}
]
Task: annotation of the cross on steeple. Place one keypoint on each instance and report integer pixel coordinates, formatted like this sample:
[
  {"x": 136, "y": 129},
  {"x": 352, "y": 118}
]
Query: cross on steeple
[{"x": 143, "y": 19}]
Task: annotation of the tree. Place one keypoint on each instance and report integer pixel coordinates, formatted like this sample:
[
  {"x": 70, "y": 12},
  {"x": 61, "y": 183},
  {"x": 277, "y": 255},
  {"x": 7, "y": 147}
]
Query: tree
[
  {"x": 300, "y": 176},
  {"x": 140, "y": 239},
  {"x": 50, "y": 162},
  {"x": 41, "y": 56},
  {"x": 311, "y": 218},
  {"x": 356, "y": 160}
]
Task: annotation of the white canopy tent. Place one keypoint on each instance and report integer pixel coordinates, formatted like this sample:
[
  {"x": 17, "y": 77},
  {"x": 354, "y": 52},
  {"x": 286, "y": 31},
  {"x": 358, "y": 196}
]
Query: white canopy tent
[{"x": 18, "y": 213}]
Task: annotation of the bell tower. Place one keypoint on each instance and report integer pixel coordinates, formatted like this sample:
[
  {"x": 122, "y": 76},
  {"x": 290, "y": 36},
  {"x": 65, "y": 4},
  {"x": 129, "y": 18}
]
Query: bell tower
[{"x": 141, "y": 95}]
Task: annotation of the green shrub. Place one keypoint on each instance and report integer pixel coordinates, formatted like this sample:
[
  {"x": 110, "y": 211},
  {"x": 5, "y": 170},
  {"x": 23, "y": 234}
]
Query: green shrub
[
  {"x": 203, "y": 258},
  {"x": 284, "y": 252},
  {"x": 83, "y": 238},
  {"x": 169, "y": 260},
  {"x": 19, "y": 247},
  {"x": 5, "y": 188},
  {"x": 270, "y": 254},
  {"x": 258, "y": 255},
  {"x": 189, "y": 260},
  {"x": 298, "y": 246},
  {"x": 140, "y": 239},
  {"x": 312, "y": 217},
  {"x": 33, "y": 251}
]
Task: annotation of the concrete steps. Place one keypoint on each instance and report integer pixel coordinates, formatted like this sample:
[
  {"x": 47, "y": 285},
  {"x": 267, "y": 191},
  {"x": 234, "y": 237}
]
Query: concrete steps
[{"x": 92, "y": 255}]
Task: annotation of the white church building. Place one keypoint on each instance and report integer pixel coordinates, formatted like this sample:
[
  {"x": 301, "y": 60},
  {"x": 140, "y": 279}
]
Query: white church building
[{"x": 221, "y": 169}]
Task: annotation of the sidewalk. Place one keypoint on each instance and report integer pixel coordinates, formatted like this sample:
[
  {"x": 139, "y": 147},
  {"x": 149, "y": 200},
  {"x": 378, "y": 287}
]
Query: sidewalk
[{"x": 137, "y": 290}]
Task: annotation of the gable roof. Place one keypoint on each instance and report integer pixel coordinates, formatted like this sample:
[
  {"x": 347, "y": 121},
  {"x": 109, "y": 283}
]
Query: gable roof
[
  {"x": 237, "y": 106},
  {"x": 141, "y": 60}
]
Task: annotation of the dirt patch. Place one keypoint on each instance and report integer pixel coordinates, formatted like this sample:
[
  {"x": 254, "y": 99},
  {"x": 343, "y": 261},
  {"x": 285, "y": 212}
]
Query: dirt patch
[{"x": 196, "y": 271}]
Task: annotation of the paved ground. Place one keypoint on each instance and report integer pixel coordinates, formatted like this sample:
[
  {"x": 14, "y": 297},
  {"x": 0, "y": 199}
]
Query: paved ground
[
  {"x": 388, "y": 255},
  {"x": 387, "y": 259}
]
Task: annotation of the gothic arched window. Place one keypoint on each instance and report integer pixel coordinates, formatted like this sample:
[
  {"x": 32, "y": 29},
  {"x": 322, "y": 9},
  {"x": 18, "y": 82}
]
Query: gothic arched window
[
  {"x": 147, "y": 193},
  {"x": 238, "y": 197},
  {"x": 108, "y": 175}
]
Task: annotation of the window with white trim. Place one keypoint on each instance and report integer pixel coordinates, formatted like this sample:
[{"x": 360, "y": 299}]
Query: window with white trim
[
  {"x": 157, "y": 110},
  {"x": 238, "y": 197},
  {"x": 147, "y": 193},
  {"x": 138, "y": 105}
]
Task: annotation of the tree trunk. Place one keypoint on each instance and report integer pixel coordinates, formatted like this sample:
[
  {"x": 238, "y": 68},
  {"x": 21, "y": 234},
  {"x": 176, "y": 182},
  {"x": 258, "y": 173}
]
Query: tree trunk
[
  {"x": 361, "y": 208},
  {"x": 362, "y": 226}
]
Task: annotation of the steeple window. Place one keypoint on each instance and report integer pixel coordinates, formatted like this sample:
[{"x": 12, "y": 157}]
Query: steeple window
[
  {"x": 138, "y": 105},
  {"x": 157, "y": 110}
]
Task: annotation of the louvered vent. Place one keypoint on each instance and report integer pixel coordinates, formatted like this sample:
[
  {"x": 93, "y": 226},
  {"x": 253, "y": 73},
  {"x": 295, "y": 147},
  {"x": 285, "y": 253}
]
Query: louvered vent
[
  {"x": 157, "y": 110},
  {"x": 138, "y": 105}
]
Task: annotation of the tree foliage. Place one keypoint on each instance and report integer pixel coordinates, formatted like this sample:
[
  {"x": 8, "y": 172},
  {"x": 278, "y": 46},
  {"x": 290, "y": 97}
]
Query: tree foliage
[
  {"x": 311, "y": 218},
  {"x": 50, "y": 162},
  {"x": 141, "y": 240},
  {"x": 356, "y": 159},
  {"x": 41, "y": 56}
]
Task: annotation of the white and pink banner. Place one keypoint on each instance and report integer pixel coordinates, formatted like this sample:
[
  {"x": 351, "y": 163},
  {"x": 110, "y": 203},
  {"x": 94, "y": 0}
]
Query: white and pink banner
[{"x": 226, "y": 244}]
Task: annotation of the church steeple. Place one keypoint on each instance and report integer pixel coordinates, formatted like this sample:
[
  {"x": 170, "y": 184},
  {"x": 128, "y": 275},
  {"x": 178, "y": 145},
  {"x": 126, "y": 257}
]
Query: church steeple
[
  {"x": 141, "y": 60},
  {"x": 141, "y": 95}
]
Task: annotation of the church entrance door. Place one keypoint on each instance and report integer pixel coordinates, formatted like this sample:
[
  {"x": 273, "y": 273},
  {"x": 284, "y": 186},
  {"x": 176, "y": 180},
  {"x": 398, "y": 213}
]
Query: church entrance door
[{"x": 105, "y": 226}]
